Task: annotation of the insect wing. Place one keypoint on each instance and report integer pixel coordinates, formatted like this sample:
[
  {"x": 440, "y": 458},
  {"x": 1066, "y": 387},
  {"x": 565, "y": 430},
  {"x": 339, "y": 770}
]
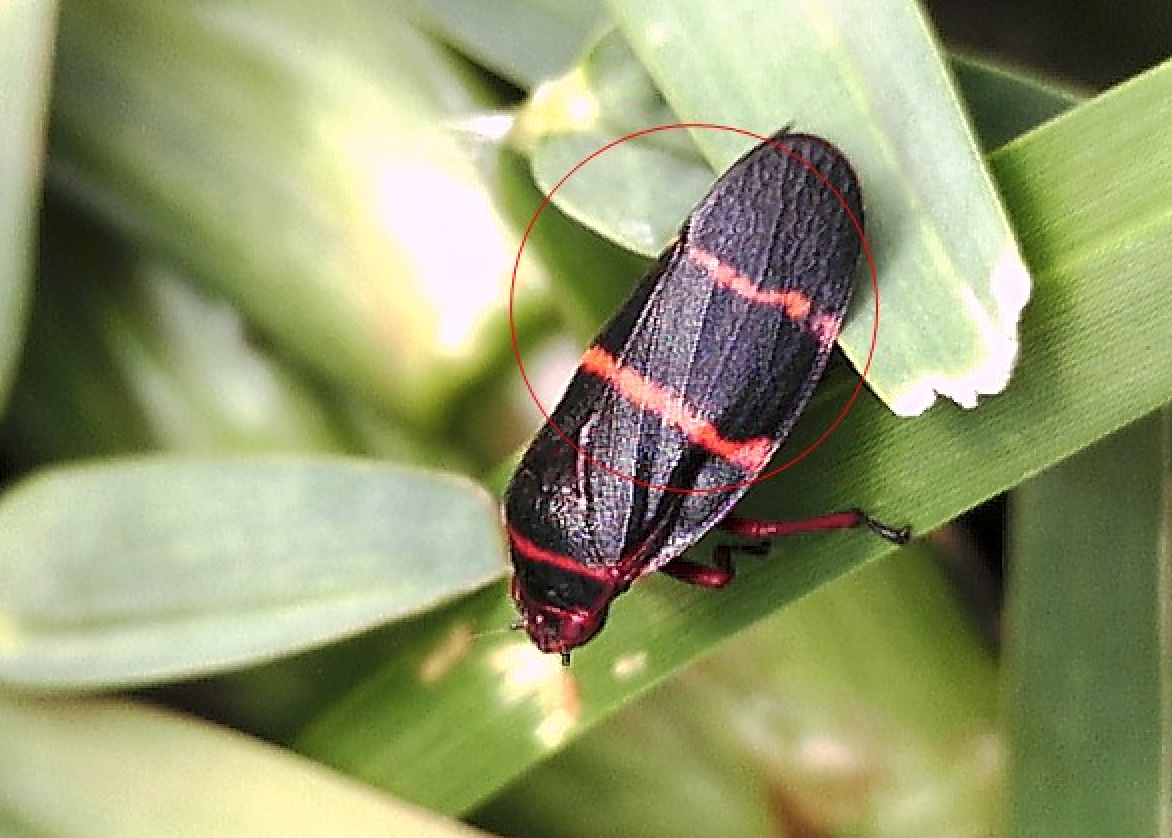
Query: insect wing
[{"x": 699, "y": 377}]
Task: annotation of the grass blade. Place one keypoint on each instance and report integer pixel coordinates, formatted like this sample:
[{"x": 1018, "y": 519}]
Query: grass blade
[{"x": 1088, "y": 671}]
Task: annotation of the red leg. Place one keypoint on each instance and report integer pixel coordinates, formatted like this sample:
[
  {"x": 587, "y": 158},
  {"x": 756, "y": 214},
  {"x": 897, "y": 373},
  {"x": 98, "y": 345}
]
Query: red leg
[
  {"x": 850, "y": 519},
  {"x": 716, "y": 575},
  {"x": 720, "y": 572}
]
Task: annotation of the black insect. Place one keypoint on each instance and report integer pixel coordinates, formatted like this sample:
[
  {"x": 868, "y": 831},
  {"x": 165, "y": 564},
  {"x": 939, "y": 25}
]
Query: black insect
[{"x": 688, "y": 392}]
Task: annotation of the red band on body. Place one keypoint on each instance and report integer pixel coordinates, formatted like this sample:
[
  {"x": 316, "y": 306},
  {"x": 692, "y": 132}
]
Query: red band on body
[
  {"x": 536, "y": 553},
  {"x": 750, "y": 455},
  {"x": 795, "y": 304}
]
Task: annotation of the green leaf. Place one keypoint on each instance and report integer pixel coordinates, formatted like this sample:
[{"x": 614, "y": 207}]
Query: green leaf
[
  {"x": 620, "y": 193},
  {"x": 124, "y": 356},
  {"x": 943, "y": 249},
  {"x": 296, "y": 160},
  {"x": 867, "y": 708},
  {"x": 97, "y": 768},
  {"x": 137, "y": 572},
  {"x": 1088, "y": 660},
  {"x": 1100, "y": 285},
  {"x": 599, "y": 271},
  {"x": 1068, "y": 225},
  {"x": 1005, "y": 105},
  {"x": 26, "y": 42},
  {"x": 525, "y": 41}
]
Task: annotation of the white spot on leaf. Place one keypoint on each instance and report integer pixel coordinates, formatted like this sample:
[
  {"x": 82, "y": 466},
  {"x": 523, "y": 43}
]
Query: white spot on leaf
[{"x": 527, "y": 675}]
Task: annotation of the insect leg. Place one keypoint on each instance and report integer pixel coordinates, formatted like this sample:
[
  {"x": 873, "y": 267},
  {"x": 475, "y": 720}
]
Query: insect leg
[
  {"x": 850, "y": 519},
  {"x": 716, "y": 575}
]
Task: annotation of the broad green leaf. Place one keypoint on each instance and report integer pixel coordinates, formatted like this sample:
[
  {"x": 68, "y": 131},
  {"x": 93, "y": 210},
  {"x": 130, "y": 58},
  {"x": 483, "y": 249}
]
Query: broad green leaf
[
  {"x": 26, "y": 41},
  {"x": 1088, "y": 665},
  {"x": 943, "y": 249},
  {"x": 136, "y": 572},
  {"x": 295, "y": 159},
  {"x": 524, "y": 41},
  {"x": 101, "y": 768},
  {"x": 502, "y": 707}
]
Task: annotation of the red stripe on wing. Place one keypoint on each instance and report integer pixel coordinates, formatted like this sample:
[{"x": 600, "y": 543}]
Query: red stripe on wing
[{"x": 751, "y": 455}]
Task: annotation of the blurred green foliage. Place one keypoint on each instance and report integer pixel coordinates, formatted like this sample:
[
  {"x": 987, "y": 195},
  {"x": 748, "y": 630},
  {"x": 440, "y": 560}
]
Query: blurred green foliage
[{"x": 261, "y": 244}]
